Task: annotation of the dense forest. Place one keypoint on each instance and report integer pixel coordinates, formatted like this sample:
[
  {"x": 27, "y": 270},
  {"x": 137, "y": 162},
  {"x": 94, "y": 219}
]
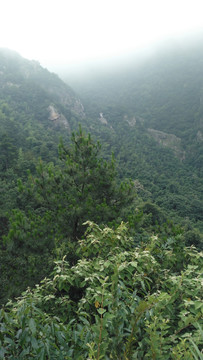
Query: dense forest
[
  {"x": 154, "y": 122},
  {"x": 101, "y": 211}
]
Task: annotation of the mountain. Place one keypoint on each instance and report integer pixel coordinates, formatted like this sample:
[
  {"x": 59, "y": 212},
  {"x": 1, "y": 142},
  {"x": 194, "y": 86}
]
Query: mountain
[
  {"x": 33, "y": 91},
  {"x": 101, "y": 247},
  {"x": 36, "y": 108},
  {"x": 165, "y": 90},
  {"x": 151, "y": 112}
]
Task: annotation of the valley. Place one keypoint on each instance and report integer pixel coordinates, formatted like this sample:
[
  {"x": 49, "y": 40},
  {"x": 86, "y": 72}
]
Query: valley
[{"x": 101, "y": 210}]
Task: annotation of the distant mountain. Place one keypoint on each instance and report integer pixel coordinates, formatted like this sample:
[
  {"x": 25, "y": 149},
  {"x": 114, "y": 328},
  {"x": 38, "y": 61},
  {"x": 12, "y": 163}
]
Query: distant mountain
[
  {"x": 166, "y": 91},
  {"x": 152, "y": 113},
  {"x": 27, "y": 86},
  {"x": 149, "y": 115}
]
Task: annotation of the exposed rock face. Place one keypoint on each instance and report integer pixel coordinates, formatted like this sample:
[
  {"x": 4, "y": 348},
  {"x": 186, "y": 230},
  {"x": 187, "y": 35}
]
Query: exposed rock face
[
  {"x": 62, "y": 92},
  {"x": 169, "y": 140},
  {"x": 58, "y": 118},
  {"x": 78, "y": 108},
  {"x": 53, "y": 114},
  {"x": 102, "y": 119},
  {"x": 131, "y": 121},
  {"x": 21, "y": 71}
]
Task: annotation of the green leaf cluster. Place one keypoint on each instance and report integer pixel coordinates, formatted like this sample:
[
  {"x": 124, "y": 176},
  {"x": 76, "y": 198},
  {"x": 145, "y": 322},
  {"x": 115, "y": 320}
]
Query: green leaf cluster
[{"x": 118, "y": 301}]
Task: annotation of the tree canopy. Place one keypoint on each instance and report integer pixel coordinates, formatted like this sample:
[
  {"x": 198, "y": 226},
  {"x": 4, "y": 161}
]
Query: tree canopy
[{"x": 56, "y": 202}]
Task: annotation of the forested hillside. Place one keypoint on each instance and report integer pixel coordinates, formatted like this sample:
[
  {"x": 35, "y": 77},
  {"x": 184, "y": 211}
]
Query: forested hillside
[
  {"x": 36, "y": 107},
  {"x": 152, "y": 117},
  {"x": 100, "y": 214}
]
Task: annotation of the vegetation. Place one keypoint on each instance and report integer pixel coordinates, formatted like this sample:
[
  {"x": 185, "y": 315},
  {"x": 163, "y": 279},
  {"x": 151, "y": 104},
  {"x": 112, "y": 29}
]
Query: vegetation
[
  {"x": 118, "y": 301},
  {"x": 164, "y": 94},
  {"x": 58, "y": 200},
  {"x": 100, "y": 254}
]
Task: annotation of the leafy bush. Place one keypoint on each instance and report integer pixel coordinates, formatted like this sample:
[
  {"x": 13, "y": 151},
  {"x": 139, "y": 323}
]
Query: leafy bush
[{"x": 117, "y": 302}]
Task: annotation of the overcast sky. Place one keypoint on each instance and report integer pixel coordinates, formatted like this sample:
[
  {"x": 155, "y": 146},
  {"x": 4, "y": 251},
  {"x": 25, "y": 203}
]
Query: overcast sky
[{"x": 74, "y": 31}]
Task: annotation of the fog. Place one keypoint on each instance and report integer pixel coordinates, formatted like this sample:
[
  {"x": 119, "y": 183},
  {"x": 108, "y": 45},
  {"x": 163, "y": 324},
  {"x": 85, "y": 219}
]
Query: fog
[
  {"x": 91, "y": 70},
  {"x": 79, "y": 35}
]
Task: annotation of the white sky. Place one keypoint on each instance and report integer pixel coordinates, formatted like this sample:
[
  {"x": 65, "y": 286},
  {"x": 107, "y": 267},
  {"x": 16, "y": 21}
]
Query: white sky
[{"x": 68, "y": 31}]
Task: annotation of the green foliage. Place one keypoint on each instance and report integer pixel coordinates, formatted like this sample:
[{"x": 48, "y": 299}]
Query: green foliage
[
  {"x": 113, "y": 295},
  {"x": 117, "y": 302},
  {"x": 27, "y": 90},
  {"x": 163, "y": 93},
  {"x": 193, "y": 237},
  {"x": 83, "y": 185},
  {"x": 56, "y": 203}
]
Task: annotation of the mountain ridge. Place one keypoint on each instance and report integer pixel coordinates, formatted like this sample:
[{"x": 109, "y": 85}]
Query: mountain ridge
[
  {"x": 19, "y": 70},
  {"x": 41, "y": 109}
]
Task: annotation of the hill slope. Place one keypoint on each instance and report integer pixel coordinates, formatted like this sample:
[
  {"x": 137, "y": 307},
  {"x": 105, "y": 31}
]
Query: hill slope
[
  {"x": 36, "y": 108},
  {"x": 153, "y": 128},
  {"x": 153, "y": 112}
]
